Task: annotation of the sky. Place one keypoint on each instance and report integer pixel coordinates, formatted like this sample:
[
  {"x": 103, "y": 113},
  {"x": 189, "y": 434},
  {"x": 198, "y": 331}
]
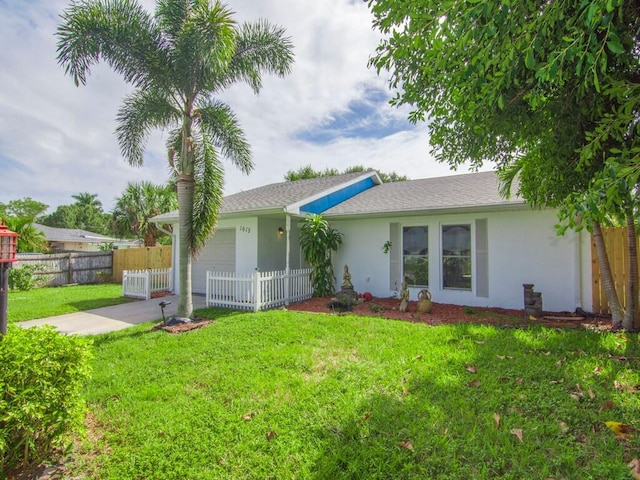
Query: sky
[{"x": 332, "y": 111}]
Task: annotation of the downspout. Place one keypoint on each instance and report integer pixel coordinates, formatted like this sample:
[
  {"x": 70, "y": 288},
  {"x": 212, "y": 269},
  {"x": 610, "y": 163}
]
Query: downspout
[
  {"x": 577, "y": 258},
  {"x": 174, "y": 256},
  {"x": 288, "y": 253}
]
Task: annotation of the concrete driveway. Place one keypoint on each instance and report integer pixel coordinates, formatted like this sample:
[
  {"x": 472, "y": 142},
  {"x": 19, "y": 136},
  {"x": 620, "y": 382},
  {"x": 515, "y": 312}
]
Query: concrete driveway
[{"x": 110, "y": 319}]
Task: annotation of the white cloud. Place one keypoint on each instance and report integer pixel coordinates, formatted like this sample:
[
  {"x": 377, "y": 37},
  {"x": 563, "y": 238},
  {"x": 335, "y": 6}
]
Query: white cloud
[{"x": 57, "y": 140}]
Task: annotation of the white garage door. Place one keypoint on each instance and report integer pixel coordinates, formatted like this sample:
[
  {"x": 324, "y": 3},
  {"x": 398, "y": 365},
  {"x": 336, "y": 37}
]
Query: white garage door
[{"x": 219, "y": 254}]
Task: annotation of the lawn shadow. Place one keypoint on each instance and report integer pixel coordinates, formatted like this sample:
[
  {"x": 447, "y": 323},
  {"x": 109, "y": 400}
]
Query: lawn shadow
[{"x": 442, "y": 423}]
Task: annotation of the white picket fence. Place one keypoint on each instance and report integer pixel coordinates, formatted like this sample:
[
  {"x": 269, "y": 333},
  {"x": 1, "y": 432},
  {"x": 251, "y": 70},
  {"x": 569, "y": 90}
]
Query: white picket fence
[
  {"x": 142, "y": 283},
  {"x": 258, "y": 290}
]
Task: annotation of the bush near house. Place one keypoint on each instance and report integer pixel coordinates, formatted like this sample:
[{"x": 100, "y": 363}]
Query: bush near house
[{"x": 42, "y": 373}]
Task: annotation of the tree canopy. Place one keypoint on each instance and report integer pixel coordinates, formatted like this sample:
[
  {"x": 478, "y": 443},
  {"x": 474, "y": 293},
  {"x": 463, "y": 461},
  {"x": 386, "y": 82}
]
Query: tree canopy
[{"x": 308, "y": 171}]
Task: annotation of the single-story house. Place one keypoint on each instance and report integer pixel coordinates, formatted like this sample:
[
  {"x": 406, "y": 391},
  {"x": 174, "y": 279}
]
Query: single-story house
[
  {"x": 78, "y": 240},
  {"x": 454, "y": 235}
]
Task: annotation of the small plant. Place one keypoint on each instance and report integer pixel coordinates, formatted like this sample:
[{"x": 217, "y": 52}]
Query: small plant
[
  {"x": 468, "y": 310},
  {"x": 376, "y": 307},
  {"x": 386, "y": 248},
  {"x": 317, "y": 240},
  {"x": 103, "y": 277},
  {"x": 25, "y": 277}
]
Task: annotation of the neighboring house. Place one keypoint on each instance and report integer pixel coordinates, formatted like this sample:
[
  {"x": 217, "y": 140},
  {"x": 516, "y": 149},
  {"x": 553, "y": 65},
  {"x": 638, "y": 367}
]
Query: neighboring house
[
  {"x": 76, "y": 240},
  {"x": 454, "y": 235}
]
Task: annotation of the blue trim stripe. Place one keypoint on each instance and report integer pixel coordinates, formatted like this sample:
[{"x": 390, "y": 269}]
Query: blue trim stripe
[{"x": 325, "y": 203}]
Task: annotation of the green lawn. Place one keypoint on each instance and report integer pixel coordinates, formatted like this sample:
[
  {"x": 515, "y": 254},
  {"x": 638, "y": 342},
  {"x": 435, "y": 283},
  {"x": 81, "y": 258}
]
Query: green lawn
[
  {"x": 46, "y": 302},
  {"x": 285, "y": 395}
]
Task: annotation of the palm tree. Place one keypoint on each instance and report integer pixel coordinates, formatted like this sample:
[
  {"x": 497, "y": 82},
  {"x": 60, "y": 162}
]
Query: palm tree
[
  {"x": 178, "y": 60},
  {"x": 31, "y": 240},
  {"x": 86, "y": 199},
  {"x": 138, "y": 203}
]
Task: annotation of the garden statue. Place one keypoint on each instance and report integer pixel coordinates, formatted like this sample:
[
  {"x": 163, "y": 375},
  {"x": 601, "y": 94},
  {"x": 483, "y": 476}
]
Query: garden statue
[
  {"x": 346, "y": 280},
  {"x": 404, "y": 297},
  {"x": 424, "y": 301}
]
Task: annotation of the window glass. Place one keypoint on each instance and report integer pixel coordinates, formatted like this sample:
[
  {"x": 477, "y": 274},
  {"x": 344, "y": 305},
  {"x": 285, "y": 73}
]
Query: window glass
[
  {"x": 456, "y": 256},
  {"x": 415, "y": 256}
]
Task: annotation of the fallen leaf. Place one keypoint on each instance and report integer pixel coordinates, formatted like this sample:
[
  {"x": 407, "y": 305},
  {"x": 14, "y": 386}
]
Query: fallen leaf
[
  {"x": 496, "y": 418},
  {"x": 621, "y": 431},
  {"x": 471, "y": 369},
  {"x": 419, "y": 357},
  {"x": 634, "y": 465},
  {"x": 501, "y": 357},
  {"x": 531, "y": 317},
  {"x": 518, "y": 433},
  {"x": 592, "y": 395},
  {"x": 608, "y": 405},
  {"x": 406, "y": 444},
  {"x": 271, "y": 435},
  {"x": 597, "y": 370},
  {"x": 473, "y": 383},
  {"x": 248, "y": 416},
  {"x": 479, "y": 342},
  {"x": 405, "y": 392},
  {"x": 519, "y": 380},
  {"x": 366, "y": 416}
]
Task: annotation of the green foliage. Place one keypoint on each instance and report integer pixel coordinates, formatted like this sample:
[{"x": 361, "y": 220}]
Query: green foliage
[
  {"x": 306, "y": 172},
  {"x": 341, "y": 392},
  {"x": 318, "y": 239},
  {"x": 50, "y": 301},
  {"x": 84, "y": 214},
  {"x": 42, "y": 375},
  {"x": 137, "y": 204},
  {"x": 177, "y": 60},
  {"x": 26, "y": 277},
  {"x": 25, "y": 207},
  {"x": 31, "y": 239}
]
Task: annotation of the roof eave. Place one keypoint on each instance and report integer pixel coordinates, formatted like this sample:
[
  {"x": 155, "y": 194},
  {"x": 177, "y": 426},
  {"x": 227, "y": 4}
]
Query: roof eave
[{"x": 432, "y": 211}]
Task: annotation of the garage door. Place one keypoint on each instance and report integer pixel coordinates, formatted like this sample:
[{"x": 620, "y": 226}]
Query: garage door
[{"x": 219, "y": 254}]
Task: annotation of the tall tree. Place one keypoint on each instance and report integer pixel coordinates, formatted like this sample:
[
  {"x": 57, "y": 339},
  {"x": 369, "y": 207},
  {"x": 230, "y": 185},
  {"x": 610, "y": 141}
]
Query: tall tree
[
  {"x": 138, "y": 203},
  {"x": 547, "y": 90},
  {"x": 86, "y": 199},
  {"x": 178, "y": 61},
  {"x": 25, "y": 207}
]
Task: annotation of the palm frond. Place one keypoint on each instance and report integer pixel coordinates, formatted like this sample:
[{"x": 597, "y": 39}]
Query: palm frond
[
  {"x": 217, "y": 121},
  {"x": 204, "y": 47},
  {"x": 261, "y": 47},
  {"x": 119, "y": 32},
  {"x": 141, "y": 111},
  {"x": 507, "y": 176},
  {"x": 209, "y": 182}
]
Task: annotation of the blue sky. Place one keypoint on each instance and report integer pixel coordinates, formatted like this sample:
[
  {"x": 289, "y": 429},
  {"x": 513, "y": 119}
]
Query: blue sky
[{"x": 332, "y": 111}]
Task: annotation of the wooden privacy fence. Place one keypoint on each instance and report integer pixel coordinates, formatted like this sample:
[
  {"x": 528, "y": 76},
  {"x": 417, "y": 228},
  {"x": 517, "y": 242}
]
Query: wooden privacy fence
[
  {"x": 258, "y": 290},
  {"x": 68, "y": 268},
  {"x": 615, "y": 240},
  {"x": 155, "y": 258},
  {"x": 142, "y": 283}
]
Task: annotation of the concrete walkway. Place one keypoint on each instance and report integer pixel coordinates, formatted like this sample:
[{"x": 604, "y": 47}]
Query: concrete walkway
[{"x": 110, "y": 319}]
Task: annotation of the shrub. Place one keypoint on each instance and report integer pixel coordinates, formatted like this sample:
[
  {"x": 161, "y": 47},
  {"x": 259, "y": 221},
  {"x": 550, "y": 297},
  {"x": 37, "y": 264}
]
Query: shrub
[
  {"x": 42, "y": 374},
  {"x": 24, "y": 277}
]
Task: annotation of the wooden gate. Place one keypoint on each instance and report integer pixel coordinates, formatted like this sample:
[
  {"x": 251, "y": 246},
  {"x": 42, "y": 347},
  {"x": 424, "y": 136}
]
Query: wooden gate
[{"x": 154, "y": 258}]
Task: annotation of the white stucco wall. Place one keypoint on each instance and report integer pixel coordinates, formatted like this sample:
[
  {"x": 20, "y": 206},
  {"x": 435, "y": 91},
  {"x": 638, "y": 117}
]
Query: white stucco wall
[
  {"x": 246, "y": 242},
  {"x": 522, "y": 248}
]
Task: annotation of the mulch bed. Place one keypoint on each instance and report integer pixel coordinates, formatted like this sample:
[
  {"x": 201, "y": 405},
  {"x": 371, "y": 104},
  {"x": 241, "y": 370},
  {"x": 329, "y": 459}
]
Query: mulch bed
[
  {"x": 195, "y": 323},
  {"x": 443, "y": 314}
]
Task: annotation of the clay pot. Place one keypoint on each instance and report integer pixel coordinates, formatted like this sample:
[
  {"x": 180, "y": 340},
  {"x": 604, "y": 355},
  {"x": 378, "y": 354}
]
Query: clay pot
[{"x": 424, "y": 301}]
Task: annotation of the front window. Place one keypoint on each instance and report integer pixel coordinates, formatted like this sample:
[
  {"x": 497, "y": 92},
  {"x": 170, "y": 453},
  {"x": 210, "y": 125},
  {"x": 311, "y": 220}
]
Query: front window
[
  {"x": 415, "y": 256},
  {"x": 456, "y": 256}
]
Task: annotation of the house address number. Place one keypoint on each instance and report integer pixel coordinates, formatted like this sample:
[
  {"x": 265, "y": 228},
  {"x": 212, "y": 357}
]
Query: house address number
[{"x": 245, "y": 229}]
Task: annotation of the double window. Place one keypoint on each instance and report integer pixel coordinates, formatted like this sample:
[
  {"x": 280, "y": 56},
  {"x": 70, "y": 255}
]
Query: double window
[{"x": 415, "y": 256}]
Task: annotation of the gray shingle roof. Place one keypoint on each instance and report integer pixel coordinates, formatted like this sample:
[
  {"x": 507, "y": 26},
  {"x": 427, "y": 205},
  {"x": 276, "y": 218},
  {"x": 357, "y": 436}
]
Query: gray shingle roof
[
  {"x": 54, "y": 234},
  {"x": 280, "y": 195},
  {"x": 443, "y": 193}
]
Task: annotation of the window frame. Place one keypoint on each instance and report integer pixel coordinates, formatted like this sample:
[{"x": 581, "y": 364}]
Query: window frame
[
  {"x": 469, "y": 257},
  {"x": 416, "y": 257}
]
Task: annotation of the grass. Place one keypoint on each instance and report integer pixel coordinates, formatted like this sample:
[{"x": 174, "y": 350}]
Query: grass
[
  {"x": 293, "y": 395},
  {"x": 46, "y": 302}
]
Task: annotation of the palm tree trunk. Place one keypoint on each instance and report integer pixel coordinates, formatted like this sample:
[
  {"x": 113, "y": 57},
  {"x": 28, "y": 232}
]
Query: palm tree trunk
[
  {"x": 185, "y": 214},
  {"x": 630, "y": 321},
  {"x": 607, "y": 278}
]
